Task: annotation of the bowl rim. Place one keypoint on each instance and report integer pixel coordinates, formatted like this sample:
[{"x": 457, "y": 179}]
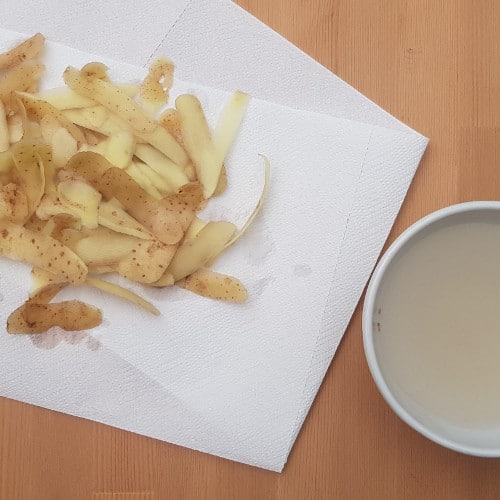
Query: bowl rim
[{"x": 367, "y": 322}]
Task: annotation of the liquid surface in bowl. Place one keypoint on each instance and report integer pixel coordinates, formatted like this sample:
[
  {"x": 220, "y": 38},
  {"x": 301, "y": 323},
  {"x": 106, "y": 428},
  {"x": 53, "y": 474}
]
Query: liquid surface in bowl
[{"x": 437, "y": 325}]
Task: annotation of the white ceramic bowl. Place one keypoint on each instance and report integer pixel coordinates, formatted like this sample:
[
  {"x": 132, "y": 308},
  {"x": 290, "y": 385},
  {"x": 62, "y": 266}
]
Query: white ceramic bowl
[{"x": 479, "y": 442}]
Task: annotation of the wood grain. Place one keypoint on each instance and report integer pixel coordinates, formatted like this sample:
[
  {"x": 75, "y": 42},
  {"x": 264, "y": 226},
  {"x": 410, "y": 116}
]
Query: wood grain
[{"x": 434, "y": 65}]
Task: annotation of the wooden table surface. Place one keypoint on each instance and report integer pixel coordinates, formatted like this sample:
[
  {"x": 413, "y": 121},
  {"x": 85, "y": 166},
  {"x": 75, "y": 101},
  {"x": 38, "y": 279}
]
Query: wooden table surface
[{"x": 436, "y": 66}]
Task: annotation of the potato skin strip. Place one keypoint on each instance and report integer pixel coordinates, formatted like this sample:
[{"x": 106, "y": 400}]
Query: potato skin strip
[
  {"x": 70, "y": 315},
  {"x": 198, "y": 142},
  {"x": 19, "y": 78},
  {"x": 257, "y": 208},
  {"x": 45, "y": 252},
  {"x": 212, "y": 285},
  {"x": 109, "y": 96},
  {"x": 124, "y": 293},
  {"x": 28, "y": 49},
  {"x": 37, "y": 108},
  {"x": 37, "y": 314}
]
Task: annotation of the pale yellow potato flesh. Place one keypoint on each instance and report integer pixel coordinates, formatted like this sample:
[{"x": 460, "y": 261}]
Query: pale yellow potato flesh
[
  {"x": 92, "y": 120},
  {"x": 116, "y": 219},
  {"x": 120, "y": 148},
  {"x": 195, "y": 253},
  {"x": 194, "y": 228},
  {"x": 229, "y": 122},
  {"x": 48, "y": 127},
  {"x": 50, "y": 206},
  {"x": 165, "y": 280},
  {"x": 41, "y": 278},
  {"x": 161, "y": 139},
  {"x": 154, "y": 179},
  {"x": 124, "y": 293},
  {"x": 82, "y": 199},
  {"x": 64, "y": 98},
  {"x": 172, "y": 173},
  {"x": 140, "y": 176},
  {"x": 64, "y": 146},
  {"x": 104, "y": 248},
  {"x": 198, "y": 142},
  {"x": 30, "y": 172},
  {"x": 37, "y": 109}
]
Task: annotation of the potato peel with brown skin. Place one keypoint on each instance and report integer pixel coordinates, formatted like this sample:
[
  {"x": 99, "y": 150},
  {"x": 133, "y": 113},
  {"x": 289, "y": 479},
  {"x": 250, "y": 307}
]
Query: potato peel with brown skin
[
  {"x": 13, "y": 203},
  {"x": 208, "y": 283},
  {"x": 156, "y": 86},
  {"x": 111, "y": 97},
  {"x": 194, "y": 254},
  {"x": 28, "y": 49},
  {"x": 43, "y": 251},
  {"x": 167, "y": 219},
  {"x": 170, "y": 119},
  {"x": 37, "y": 315},
  {"x": 37, "y": 109},
  {"x": 19, "y": 78},
  {"x": 30, "y": 172}
]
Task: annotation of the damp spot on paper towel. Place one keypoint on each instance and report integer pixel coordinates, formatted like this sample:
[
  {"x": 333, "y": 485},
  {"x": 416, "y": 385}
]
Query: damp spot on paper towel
[
  {"x": 302, "y": 270},
  {"x": 75, "y": 337},
  {"x": 52, "y": 338},
  {"x": 45, "y": 340},
  {"x": 258, "y": 287},
  {"x": 1, "y": 297},
  {"x": 93, "y": 344}
]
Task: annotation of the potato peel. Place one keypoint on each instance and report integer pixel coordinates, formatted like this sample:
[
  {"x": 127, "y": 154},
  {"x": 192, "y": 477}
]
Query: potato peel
[
  {"x": 198, "y": 142},
  {"x": 37, "y": 109},
  {"x": 109, "y": 96},
  {"x": 28, "y": 49},
  {"x": 257, "y": 208},
  {"x": 123, "y": 293},
  {"x": 155, "y": 88},
  {"x": 45, "y": 252},
  {"x": 91, "y": 182},
  {"x": 70, "y": 315},
  {"x": 195, "y": 253},
  {"x": 37, "y": 314},
  {"x": 210, "y": 284}
]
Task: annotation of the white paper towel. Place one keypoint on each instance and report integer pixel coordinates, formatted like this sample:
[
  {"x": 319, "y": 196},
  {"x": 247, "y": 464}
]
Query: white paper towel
[{"x": 353, "y": 227}]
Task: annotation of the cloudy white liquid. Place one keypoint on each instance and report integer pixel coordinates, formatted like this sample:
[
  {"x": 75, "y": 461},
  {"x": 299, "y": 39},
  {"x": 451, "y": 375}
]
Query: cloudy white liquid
[{"x": 437, "y": 325}]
